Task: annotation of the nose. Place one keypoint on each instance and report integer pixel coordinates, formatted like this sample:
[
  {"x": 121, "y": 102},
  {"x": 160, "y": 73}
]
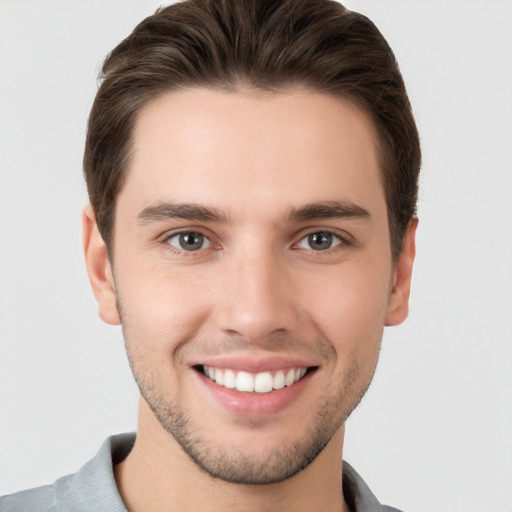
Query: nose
[{"x": 257, "y": 298}]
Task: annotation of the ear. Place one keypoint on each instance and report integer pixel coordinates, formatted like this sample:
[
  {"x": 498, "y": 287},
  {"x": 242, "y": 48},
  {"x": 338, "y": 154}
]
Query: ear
[
  {"x": 398, "y": 307},
  {"x": 98, "y": 268}
]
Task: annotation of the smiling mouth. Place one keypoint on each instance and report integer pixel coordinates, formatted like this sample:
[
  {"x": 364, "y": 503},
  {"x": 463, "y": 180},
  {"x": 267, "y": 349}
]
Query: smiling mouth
[{"x": 262, "y": 382}]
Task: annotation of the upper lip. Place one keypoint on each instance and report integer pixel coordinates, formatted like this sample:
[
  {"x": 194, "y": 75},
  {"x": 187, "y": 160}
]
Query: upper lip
[{"x": 253, "y": 364}]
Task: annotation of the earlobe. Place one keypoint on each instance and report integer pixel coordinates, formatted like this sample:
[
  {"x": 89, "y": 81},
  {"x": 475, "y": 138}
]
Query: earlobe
[
  {"x": 99, "y": 268},
  {"x": 398, "y": 307}
]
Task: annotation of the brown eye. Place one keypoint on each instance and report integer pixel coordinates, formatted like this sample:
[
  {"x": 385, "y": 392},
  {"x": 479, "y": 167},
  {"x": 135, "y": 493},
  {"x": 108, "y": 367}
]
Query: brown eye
[{"x": 189, "y": 241}]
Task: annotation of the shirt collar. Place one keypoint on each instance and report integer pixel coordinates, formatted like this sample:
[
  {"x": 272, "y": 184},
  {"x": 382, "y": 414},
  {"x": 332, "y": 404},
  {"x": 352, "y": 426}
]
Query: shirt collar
[{"x": 94, "y": 486}]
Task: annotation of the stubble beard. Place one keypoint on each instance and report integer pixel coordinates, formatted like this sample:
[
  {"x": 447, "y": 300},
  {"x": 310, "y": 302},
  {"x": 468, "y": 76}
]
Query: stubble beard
[{"x": 234, "y": 464}]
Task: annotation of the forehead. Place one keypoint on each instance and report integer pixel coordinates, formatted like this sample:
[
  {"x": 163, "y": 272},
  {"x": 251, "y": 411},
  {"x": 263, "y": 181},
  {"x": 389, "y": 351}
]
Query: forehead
[{"x": 237, "y": 150}]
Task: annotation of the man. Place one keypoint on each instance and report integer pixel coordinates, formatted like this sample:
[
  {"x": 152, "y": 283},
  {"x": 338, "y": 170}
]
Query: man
[{"x": 252, "y": 170}]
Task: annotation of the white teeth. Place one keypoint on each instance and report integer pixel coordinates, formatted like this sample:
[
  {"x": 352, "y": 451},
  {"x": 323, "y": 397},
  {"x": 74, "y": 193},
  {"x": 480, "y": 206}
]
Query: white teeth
[
  {"x": 244, "y": 382},
  {"x": 279, "y": 380},
  {"x": 219, "y": 376},
  {"x": 262, "y": 382},
  {"x": 229, "y": 379}
]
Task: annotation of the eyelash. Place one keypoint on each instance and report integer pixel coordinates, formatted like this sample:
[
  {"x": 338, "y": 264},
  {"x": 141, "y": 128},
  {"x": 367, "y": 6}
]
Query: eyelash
[
  {"x": 335, "y": 239},
  {"x": 179, "y": 251},
  {"x": 342, "y": 241}
]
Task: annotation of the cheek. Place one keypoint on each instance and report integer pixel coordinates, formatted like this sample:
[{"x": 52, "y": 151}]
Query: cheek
[
  {"x": 162, "y": 307},
  {"x": 348, "y": 306}
]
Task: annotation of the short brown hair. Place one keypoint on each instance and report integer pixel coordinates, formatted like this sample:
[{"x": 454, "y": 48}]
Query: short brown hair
[{"x": 266, "y": 45}]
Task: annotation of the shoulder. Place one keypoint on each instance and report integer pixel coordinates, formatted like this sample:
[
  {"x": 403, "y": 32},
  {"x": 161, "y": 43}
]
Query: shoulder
[
  {"x": 358, "y": 495},
  {"x": 39, "y": 499},
  {"x": 91, "y": 489}
]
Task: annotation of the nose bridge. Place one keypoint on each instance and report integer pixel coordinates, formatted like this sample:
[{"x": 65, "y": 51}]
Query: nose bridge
[{"x": 258, "y": 297}]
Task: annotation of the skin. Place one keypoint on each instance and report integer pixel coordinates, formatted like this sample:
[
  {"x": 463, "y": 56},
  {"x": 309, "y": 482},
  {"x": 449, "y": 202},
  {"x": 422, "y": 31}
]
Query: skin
[{"x": 257, "y": 289}]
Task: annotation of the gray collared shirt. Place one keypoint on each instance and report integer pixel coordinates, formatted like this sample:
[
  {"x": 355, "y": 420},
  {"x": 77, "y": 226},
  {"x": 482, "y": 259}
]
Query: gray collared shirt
[{"x": 93, "y": 488}]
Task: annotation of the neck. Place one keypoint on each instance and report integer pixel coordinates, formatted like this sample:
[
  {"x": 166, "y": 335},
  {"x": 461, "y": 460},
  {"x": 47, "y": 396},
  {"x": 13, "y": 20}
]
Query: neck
[{"x": 158, "y": 472}]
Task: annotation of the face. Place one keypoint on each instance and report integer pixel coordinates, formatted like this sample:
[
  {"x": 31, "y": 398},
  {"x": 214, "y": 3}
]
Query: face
[{"x": 252, "y": 273}]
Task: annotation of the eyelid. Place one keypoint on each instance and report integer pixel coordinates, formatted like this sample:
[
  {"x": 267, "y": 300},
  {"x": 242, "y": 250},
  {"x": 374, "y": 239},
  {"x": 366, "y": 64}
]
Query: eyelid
[
  {"x": 186, "y": 229},
  {"x": 207, "y": 241},
  {"x": 344, "y": 236},
  {"x": 340, "y": 240},
  {"x": 208, "y": 236}
]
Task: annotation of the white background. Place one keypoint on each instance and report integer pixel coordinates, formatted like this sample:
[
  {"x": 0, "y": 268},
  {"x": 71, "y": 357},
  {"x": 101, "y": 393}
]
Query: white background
[{"x": 435, "y": 432}]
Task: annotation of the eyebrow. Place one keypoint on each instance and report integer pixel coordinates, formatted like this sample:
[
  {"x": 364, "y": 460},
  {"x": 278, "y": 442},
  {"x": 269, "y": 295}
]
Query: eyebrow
[
  {"x": 195, "y": 212},
  {"x": 186, "y": 211},
  {"x": 329, "y": 210}
]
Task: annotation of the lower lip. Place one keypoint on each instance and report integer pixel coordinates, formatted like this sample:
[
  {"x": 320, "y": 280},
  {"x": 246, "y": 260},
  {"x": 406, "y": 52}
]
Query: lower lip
[{"x": 256, "y": 404}]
